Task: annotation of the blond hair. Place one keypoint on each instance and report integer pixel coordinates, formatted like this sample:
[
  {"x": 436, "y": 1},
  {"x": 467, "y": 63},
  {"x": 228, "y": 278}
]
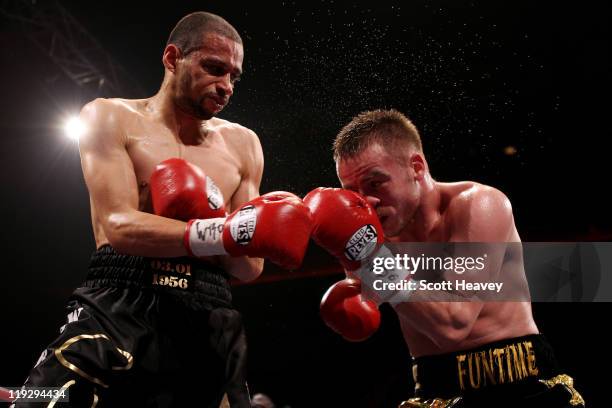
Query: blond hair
[{"x": 392, "y": 129}]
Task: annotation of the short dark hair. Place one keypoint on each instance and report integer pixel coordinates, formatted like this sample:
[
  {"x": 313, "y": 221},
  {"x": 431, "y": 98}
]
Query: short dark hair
[
  {"x": 392, "y": 129},
  {"x": 188, "y": 32}
]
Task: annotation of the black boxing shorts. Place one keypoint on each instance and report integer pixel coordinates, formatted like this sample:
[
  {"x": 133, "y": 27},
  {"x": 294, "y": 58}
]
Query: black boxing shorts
[
  {"x": 519, "y": 372},
  {"x": 145, "y": 332}
]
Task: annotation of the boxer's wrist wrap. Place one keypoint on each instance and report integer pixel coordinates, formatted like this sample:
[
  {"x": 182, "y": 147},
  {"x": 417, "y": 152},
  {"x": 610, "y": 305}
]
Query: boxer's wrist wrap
[
  {"x": 367, "y": 276},
  {"x": 204, "y": 237}
]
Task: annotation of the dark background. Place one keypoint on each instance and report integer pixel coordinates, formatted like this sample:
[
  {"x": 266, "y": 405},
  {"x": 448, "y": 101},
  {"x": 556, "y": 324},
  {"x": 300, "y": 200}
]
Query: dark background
[{"x": 475, "y": 77}]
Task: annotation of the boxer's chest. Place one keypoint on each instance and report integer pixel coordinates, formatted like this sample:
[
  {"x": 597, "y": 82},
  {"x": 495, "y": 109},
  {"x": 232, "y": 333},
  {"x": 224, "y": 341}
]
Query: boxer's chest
[{"x": 151, "y": 145}]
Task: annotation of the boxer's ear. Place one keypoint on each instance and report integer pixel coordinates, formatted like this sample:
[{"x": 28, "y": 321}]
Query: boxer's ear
[
  {"x": 170, "y": 57},
  {"x": 418, "y": 165}
]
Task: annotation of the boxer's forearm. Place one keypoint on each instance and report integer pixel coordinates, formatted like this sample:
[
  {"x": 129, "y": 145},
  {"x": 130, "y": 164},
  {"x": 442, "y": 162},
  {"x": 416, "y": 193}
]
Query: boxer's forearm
[
  {"x": 138, "y": 233},
  {"x": 143, "y": 234}
]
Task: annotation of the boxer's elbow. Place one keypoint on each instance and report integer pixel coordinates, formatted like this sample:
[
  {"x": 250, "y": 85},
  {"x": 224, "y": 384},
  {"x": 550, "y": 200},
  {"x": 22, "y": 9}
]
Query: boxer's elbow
[
  {"x": 253, "y": 271},
  {"x": 118, "y": 230},
  {"x": 244, "y": 268}
]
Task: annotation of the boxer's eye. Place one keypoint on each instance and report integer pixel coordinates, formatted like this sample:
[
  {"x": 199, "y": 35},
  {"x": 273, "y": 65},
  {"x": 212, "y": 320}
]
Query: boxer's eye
[
  {"x": 216, "y": 71},
  {"x": 213, "y": 69}
]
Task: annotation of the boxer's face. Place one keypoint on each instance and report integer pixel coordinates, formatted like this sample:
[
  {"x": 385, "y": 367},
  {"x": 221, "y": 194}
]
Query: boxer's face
[
  {"x": 389, "y": 185},
  {"x": 205, "y": 78}
]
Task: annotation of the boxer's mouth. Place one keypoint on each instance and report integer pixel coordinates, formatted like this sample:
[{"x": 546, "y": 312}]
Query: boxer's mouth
[{"x": 219, "y": 101}]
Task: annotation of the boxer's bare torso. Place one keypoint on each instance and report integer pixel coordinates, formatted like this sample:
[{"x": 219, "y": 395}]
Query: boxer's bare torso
[
  {"x": 125, "y": 141},
  {"x": 460, "y": 204},
  {"x": 413, "y": 207},
  {"x": 220, "y": 149}
]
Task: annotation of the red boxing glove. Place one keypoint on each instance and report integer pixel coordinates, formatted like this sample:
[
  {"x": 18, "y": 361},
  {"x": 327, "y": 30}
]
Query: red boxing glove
[
  {"x": 275, "y": 226},
  {"x": 345, "y": 311},
  {"x": 181, "y": 191},
  {"x": 345, "y": 225}
]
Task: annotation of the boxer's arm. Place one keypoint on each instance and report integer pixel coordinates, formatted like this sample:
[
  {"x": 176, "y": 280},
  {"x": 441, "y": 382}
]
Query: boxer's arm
[
  {"x": 245, "y": 268},
  {"x": 485, "y": 217},
  {"x": 113, "y": 188}
]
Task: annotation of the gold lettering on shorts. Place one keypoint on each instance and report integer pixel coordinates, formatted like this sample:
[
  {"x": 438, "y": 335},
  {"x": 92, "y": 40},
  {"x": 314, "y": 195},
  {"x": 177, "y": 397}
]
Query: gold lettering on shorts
[
  {"x": 510, "y": 363},
  {"x": 167, "y": 269},
  {"x": 474, "y": 356},
  {"x": 171, "y": 267},
  {"x": 522, "y": 356},
  {"x": 183, "y": 269},
  {"x": 498, "y": 356},
  {"x": 531, "y": 359},
  {"x": 170, "y": 281},
  {"x": 461, "y": 370},
  {"x": 516, "y": 362},
  {"x": 487, "y": 366}
]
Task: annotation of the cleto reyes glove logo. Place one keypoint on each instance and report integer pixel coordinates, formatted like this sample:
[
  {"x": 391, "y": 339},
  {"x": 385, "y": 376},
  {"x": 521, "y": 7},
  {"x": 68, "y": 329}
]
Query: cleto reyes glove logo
[
  {"x": 243, "y": 225},
  {"x": 361, "y": 244}
]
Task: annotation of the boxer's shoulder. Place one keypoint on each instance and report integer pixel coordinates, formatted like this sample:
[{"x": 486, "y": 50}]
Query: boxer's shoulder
[
  {"x": 103, "y": 120},
  {"x": 481, "y": 198},
  {"x": 464, "y": 195},
  {"x": 474, "y": 208},
  {"x": 231, "y": 130},
  {"x": 113, "y": 106},
  {"x": 107, "y": 113},
  {"x": 243, "y": 139}
]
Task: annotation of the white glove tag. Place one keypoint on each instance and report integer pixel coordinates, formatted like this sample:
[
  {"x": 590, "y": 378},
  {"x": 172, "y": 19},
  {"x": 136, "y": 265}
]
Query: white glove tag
[
  {"x": 361, "y": 244},
  {"x": 242, "y": 226},
  {"x": 215, "y": 197}
]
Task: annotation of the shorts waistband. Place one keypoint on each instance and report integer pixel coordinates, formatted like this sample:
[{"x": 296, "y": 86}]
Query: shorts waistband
[
  {"x": 502, "y": 362},
  {"x": 182, "y": 275}
]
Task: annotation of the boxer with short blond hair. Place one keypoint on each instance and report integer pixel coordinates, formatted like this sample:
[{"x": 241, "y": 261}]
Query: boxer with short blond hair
[{"x": 466, "y": 353}]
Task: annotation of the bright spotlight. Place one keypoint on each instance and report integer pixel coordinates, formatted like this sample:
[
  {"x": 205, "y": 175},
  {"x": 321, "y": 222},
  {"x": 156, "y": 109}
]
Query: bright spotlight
[{"x": 74, "y": 128}]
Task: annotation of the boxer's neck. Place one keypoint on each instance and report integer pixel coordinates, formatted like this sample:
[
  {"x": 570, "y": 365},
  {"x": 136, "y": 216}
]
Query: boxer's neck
[
  {"x": 188, "y": 129},
  {"x": 425, "y": 223}
]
